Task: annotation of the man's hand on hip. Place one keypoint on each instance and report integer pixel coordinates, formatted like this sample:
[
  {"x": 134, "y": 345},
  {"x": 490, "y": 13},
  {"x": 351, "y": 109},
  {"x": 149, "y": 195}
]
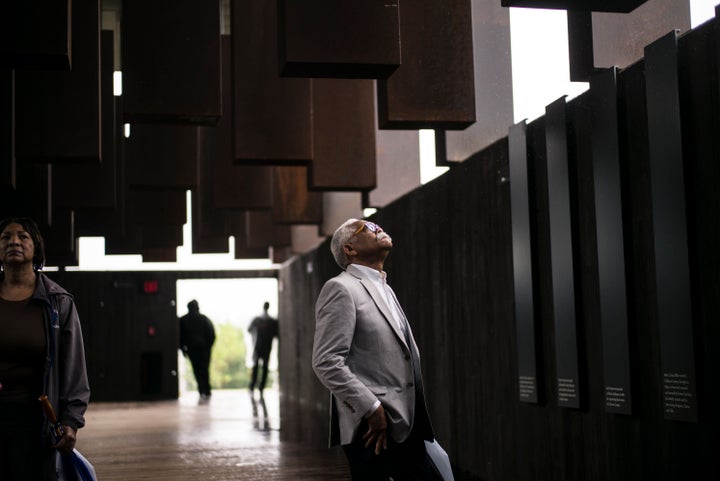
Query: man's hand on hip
[{"x": 377, "y": 430}]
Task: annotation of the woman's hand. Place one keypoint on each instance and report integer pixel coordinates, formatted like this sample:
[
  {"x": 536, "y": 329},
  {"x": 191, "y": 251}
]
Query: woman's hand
[{"x": 67, "y": 442}]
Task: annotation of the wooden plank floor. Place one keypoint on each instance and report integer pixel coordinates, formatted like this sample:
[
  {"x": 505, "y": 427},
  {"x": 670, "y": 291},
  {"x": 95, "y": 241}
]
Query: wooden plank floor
[{"x": 183, "y": 440}]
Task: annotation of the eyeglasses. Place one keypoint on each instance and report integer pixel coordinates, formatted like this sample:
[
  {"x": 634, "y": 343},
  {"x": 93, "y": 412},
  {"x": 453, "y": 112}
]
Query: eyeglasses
[{"x": 371, "y": 226}]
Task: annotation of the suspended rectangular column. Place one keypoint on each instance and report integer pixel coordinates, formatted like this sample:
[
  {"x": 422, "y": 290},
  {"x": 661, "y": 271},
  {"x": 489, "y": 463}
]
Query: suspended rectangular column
[
  {"x": 492, "y": 69},
  {"x": 36, "y": 34},
  {"x": 434, "y": 87},
  {"x": 238, "y": 222},
  {"x": 273, "y": 115},
  {"x": 344, "y": 135},
  {"x": 348, "y": 39},
  {"x": 7, "y": 131},
  {"x": 99, "y": 182},
  {"x": 605, "y": 39},
  {"x": 293, "y": 203},
  {"x": 57, "y": 113},
  {"x": 171, "y": 61},
  {"x": 223, "y": 185},
  {"x": 398, "y": 166},
  {"x": 262, "y": 232},
  {"x": 153, "y": 220},
  {"x": 161, "y": 156},
  {"x": 672, "y": 270},
  {"x": 60, "y": 239}
]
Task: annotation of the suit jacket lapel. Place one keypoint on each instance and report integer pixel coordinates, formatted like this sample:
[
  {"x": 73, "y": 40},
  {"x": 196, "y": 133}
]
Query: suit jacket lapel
[{"x": 380, "y": 303}]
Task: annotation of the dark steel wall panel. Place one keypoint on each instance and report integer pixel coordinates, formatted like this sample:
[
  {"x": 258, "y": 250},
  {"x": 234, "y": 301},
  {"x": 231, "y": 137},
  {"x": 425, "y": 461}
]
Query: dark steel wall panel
[
  {"x": 699, "y": 61},
  {"x": 610, "y": 243},
  {"x": 672, "y": 270},
  {"x": 527, "y": 380},
  {"x": 326, "y": 38},
  {"x": 57, "y": 115},
  {"x": 434, "y": 86},
  {"x": 36, "y": 34},
  {"x": 561, "y": 248},
  {"x": 116, "y": 316},
  {"x": 273, "y": 115},
  {"x": 305, "y": 404},
  {"x": 171, "y": 61},
  {"x": 344, "y": 135}
]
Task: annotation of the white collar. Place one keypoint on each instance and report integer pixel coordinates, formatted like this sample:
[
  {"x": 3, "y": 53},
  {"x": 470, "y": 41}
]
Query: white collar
[{"x": 372, "y": 274}]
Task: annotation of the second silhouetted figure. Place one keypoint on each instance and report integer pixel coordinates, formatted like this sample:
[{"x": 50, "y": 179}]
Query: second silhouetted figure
[{"x": 263, "y": 329}]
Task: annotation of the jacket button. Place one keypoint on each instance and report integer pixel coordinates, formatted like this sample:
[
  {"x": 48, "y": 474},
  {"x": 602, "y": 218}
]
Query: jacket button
[
  {"x": 409, "y": 384},
  {"x": 407, "y": 357}
]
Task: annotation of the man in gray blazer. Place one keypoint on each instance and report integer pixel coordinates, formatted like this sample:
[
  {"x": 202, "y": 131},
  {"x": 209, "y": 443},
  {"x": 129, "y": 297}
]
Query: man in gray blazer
[{"x": 365, "y": 354}]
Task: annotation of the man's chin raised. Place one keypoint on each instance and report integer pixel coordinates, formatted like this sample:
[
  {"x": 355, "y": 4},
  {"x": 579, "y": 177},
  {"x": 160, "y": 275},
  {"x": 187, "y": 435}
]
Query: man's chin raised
[{"x": 385, "y": 241}]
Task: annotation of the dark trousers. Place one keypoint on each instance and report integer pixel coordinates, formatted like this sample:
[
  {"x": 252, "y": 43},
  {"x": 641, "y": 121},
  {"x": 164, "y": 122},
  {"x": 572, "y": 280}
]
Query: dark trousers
[
  {"x": 200, "y": 361},
  {"x": 406, "y": 461},
  {"x": 263, "y": 376}
]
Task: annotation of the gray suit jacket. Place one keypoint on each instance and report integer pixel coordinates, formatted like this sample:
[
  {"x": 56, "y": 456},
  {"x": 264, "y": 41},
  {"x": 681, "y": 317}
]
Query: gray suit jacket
[{"x": 361, "y": 355}]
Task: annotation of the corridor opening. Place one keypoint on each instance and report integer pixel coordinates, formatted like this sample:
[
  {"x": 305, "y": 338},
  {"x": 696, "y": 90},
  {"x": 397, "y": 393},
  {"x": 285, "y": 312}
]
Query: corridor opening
[{"x": 230, "y": 304}]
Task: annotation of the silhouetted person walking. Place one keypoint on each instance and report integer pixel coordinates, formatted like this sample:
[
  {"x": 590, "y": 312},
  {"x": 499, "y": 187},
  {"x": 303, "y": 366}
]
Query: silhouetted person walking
[
  {"x": 197, "y": 336},
  {"x": 263, "y": 329}
]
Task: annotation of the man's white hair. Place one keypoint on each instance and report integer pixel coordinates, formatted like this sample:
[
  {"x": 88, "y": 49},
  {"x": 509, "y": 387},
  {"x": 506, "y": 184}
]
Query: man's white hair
[{"x": 342, "y": 236}]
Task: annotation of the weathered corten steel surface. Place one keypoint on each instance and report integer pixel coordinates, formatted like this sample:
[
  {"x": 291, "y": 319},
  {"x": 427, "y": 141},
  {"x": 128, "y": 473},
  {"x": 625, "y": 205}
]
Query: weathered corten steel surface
[
  {"x": 63, "y": 108},
  {"x": 20, "y": 44},
  {"x": 326, "y": 38},
  {"x": 343, "y": 135},
  {"x": 293, "y": 203},
  {"x": 99, "y": 180},
  {"x": 273, "y": 115},
  {"x": 434, "y": 86},
  {"x": 171, "y": 61}
]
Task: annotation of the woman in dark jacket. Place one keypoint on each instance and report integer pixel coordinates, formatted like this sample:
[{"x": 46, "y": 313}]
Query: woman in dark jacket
[{"x": 41, "y": 352}]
